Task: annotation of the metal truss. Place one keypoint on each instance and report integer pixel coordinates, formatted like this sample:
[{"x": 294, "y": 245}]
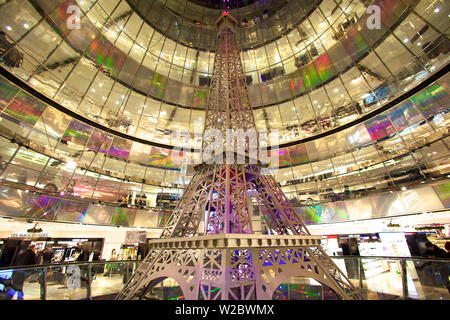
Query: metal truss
[
  {"x": 229, "y": 104},
  {"x": 238, "y": 266},
  {"x": 229, "y": 261}
]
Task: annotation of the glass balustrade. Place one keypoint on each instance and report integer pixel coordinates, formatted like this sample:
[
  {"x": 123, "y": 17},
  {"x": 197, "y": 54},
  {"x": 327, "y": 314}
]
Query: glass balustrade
[{"x": 377, "y": 278}]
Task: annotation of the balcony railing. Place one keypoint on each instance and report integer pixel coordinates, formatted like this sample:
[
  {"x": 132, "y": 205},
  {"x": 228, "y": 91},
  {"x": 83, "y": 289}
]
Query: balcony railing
[{"x": 377, "y": 278}]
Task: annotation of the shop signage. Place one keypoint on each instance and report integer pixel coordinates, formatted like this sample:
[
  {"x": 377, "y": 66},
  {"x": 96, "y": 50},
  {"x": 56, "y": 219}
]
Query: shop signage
[
  {"x": 29, "y": 235},
  {"x": 133, "y": 237}
]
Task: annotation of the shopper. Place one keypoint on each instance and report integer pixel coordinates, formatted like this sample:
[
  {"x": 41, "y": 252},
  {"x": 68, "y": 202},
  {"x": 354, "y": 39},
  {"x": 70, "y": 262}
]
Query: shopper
[
  {"x": 46, "y": 258},
  {"x": 113, "y": 256},
  {"x": 47, "y": 255},
  {"x": 26, "y": 258},
  {"x": 144, "y": 200},
  {"x": 136, "y": 200},
  {"x": 438, "y": 268},
  {"x": 111, "y": 267},
  {"x": 433, "y": 251},
  {"x": 123, "y": 201},
  {"x": 141, "y": 201},
  {"x": 83, "y": 257}
]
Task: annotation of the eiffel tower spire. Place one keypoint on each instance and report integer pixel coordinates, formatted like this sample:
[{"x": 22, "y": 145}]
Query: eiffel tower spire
[
  {"x": 229, "y": 105},
  {"x": 229, "y": 261}
]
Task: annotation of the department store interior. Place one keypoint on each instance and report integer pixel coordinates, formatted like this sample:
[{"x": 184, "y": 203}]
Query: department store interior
[{"x": 92, "y": 93}]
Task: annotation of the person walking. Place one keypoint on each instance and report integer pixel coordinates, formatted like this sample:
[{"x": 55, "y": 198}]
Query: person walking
[
  {"x": 26, "y": 258},
  {"x": 440, "y": 268}
]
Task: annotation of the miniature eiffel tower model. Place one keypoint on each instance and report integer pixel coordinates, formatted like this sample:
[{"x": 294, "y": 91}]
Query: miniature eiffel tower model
[{"x": 230, "y": 262}]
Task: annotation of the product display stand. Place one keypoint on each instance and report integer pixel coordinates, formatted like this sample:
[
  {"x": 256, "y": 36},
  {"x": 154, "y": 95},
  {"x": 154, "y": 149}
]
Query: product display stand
[{"x": 230, "y": 262}]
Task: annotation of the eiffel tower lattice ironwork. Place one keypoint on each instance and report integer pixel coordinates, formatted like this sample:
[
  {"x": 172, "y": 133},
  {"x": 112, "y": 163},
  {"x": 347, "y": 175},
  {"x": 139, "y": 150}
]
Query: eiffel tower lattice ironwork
[{"x": 229, "y": 261}]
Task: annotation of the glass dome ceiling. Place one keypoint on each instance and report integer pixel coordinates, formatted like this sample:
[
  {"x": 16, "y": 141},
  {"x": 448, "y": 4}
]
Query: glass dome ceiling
[
  {"x": 328, "y": 71},
  {"x": 93, "y": 109},
  {"x": 192, "y": 23}
]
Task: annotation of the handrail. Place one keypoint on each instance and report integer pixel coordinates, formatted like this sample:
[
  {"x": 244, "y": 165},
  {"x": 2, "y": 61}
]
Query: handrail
[
  {"x": 65, "y": 264},
  {"x": 87, "y": 278},
  {"x": 394, "y": 258}
]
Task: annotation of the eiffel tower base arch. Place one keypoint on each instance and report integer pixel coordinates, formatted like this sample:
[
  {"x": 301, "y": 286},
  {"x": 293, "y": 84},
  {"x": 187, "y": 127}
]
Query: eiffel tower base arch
[{"x": 224, "y": 270}]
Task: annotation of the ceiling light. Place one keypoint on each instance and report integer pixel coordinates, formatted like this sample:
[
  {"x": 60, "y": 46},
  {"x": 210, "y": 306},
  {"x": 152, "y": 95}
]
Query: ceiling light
[
  {"x": 404, "y": 189},
  {"x": 8, "y": 28},
  {"x": 71, "y": 165},
  {"x": 419, "y": 43},
  {"x": 100, "y": 84},
  {"x": 406, "y": 40},
  {"x": 336, "y": 90},
  {"x": 25, "y": 25},
  {"x": 437, "y": 10}
]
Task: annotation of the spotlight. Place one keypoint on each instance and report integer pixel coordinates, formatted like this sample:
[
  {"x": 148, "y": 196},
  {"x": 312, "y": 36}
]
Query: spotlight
[{"x": 71, "y": 165}]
